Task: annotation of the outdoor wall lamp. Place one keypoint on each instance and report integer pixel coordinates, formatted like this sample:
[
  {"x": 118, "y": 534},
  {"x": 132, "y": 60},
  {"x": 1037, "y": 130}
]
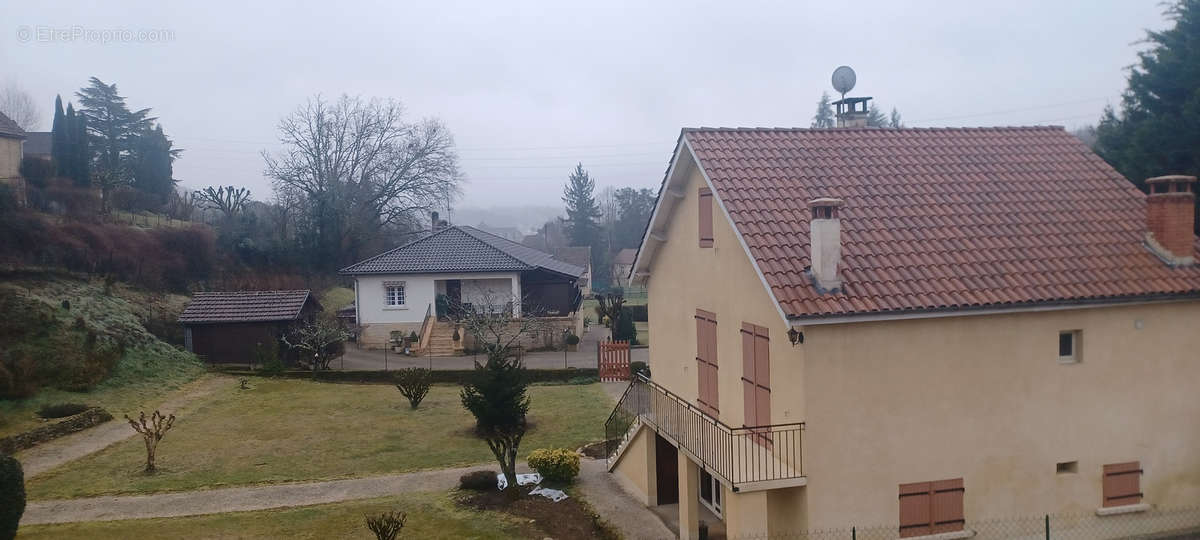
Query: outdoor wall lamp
[{"x": 795, "y": 336}]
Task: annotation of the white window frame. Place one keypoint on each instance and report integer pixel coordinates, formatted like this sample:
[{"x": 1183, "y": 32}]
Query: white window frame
[
  {"x": 388, "y": 287},
  {"x": 1076, "y": 355}
]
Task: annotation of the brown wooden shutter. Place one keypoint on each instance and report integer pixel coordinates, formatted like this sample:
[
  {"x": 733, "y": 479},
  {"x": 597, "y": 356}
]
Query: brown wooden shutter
[
  {"x": 706, "y": 362},
  {"x": 762, "y": 375},
  {"x": 1123, "y": 483},
  {"x": 706, "y": 218},
  {"x": 749, "y": 402},
  {"x": 931, "y": 507}
]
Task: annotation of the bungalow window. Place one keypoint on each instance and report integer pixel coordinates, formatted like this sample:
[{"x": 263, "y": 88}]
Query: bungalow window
[
  {"x": 394, "y": 293},
  {"x": 1070, "y": 346},
  {"x": 931, "y": 507}
]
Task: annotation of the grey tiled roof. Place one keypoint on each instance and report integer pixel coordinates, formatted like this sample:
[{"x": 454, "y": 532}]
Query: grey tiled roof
[
  {"x": 244, "y": 306},
  {"x": 8, "y": 128},
  {"x": 461, "y": 248},
  {"x": 37, "y": 143}
]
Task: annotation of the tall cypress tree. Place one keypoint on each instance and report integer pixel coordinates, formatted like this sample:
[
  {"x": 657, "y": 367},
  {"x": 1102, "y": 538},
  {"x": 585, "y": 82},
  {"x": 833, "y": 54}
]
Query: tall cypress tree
[
  {"x": 152, "y": 165},
  {"x": 1157, "y": 131},
  {"x": 81, "y": 154},
  {"x": 59, "y": 145}
]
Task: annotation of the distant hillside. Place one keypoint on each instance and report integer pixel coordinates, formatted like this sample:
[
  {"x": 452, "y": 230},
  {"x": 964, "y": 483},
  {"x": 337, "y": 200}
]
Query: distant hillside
[{"x": 525, "y": 218}]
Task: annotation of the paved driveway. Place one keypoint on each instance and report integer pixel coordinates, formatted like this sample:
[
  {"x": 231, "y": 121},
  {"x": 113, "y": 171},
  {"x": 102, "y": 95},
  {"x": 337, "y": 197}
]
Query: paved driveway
[{"x": 585, "y": 357}]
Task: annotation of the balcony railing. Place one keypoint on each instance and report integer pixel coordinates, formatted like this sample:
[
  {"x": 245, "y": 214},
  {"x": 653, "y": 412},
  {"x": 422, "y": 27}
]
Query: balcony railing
[{"x": 745, "y": 458}]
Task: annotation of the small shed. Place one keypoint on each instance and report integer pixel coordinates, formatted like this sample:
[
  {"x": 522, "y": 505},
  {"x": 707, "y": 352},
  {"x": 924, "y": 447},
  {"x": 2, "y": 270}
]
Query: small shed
[{"x": 226, "y": 327}]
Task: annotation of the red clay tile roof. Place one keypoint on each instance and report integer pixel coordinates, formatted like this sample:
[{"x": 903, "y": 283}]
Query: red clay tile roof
[
  {"x": 244, "y": 306},
  {"x": 938, "y": 219}
]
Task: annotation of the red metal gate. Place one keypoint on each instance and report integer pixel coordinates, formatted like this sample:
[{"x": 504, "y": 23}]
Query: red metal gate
[{"x": 612, "y": 359}]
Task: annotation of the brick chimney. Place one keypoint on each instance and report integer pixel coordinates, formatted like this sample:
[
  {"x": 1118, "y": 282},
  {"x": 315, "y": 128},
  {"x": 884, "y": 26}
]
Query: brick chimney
[
  {"x": 1170, "y": 215},
  {"x": 825, "y": 242}
]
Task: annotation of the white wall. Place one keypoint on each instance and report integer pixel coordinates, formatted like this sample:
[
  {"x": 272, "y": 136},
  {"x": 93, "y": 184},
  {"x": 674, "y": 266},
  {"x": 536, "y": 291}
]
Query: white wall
[{"x": 420, "y": 291}]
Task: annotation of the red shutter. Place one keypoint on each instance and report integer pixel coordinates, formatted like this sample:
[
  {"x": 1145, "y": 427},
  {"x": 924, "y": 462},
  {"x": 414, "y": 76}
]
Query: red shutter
[
  {"x": 1122, "y": 483},
  {"x": 931, "y": 507},
  {"x": 947, "y": 505},
  {"x": 915, "y": 511},
  {"x": 706, "y": 217},
  {"x": 706, "y": 361}
]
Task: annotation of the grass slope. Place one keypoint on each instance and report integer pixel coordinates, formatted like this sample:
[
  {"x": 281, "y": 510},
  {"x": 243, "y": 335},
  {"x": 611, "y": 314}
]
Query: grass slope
[
  {"x": 430, "y": 515},
  {"x": 295, "y": 430},
  {"x": 147, "y": 370}
]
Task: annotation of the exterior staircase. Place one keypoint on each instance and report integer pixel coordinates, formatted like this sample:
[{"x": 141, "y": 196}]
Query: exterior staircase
[{"x": 441, "y": 341}]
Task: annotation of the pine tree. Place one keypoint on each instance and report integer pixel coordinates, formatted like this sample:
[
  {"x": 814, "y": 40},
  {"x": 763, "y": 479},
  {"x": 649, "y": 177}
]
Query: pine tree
[
  {"x": 59, "y": 136},
  {"x": 1157, "y": 130},
  {"x": 876, "y": 118},
  {"x": 152, "y": 165},
  {"x": 582, "y": 226},
  {"x": 113, "y": 131},
  {"x": 824, "y": 116},
  {"x": 77, "y": 153}
]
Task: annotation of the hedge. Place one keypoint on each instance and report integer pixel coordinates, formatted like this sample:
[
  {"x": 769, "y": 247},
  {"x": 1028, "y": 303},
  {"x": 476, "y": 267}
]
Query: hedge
[
  {"x": 640, "y": 313},
  {"x": 456, "y": 376}
]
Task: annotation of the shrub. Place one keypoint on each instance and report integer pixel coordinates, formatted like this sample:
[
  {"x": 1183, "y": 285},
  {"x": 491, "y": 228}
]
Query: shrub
[
  {"x": 478, "y": 480},
  {"x": 555, "y": 464},
  {"x": 37, "y": 171},
  {"x": 12, "y": 495},
  {"x": 18, "y": 375},
  {"x": 413, "y": 384},
  {"x": 572, "y": 339},
  {"x": 638, "y": 367},
  {"x": 267, "y": 356},
  {"x": 61, "y": 410},
  {"x": 624, "y": 329},
  {"x": 387, "y": 525},
  {"x": 412, "y": 337}
]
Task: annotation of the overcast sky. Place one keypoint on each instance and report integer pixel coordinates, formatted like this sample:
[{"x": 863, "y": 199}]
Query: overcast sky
[{"x": 528, "y": 89}]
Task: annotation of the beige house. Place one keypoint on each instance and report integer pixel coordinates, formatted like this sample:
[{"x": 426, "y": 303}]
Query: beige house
[
  {"x": 11, "y": 139},
  {"x": 913, "y": 329}
]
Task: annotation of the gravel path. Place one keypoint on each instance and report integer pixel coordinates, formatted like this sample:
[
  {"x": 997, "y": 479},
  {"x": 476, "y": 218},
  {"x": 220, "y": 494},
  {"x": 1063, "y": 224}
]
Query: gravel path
[
  {"x": 216, "y": 501},
  {"x": 51, "y": 454}
]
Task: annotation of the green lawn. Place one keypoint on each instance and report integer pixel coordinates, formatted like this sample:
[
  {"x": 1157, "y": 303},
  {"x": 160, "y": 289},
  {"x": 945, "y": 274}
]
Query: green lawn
[
  {"x": 336, "y": 298},
  {"x": 430, "y": 515},
  {"x": 295, "y": 430}
]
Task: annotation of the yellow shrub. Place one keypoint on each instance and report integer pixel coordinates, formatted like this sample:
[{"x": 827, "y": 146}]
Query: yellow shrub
[{"x": 555, "y": 464}]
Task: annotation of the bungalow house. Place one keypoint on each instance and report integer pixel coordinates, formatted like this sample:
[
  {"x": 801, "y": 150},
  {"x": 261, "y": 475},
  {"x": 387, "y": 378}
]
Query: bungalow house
[
  {"x": 227, "y": 327},
  {"x": 414, "y": 288},
  {"x": 914, "y": 329}
]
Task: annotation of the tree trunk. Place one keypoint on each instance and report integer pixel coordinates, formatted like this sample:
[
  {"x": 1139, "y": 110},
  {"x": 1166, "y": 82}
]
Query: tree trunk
[{"x": 150, "y": 448}]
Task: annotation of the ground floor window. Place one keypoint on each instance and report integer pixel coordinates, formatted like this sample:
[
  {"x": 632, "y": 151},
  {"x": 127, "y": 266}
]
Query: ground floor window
[
  {"x": 1122, "y": 483},
  {"x": 931, "y": 507},
  {"x": 394, "y": 293}
]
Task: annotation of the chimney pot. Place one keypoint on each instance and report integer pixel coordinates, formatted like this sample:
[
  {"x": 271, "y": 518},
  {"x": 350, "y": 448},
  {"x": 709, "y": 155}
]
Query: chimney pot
[
  {"x": 1171, "y": 218},
  {"x": 825, "y": 242}
]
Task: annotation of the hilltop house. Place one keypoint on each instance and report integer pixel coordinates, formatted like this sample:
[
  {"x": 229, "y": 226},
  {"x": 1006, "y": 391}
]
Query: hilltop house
[
  {"x": 915, "y": 329},
  {"x": 414, "y": 288}
]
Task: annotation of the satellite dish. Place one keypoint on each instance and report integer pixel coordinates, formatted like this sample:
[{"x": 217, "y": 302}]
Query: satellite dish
[{"x": 843, "y": 79}]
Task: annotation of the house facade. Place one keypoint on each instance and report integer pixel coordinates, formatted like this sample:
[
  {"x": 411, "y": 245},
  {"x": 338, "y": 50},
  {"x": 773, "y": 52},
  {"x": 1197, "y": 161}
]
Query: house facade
[
  {"x": 12, "y": 138},
  {"x": 411, "y": 288},
  {"x": 912, "y": 328}
]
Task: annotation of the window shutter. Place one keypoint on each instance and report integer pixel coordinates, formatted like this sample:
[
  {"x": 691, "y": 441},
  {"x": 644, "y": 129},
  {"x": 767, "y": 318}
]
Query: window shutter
[
  {"x": 931, "y": 507},
  {"x": 762, "y": 375},
  {"x": 749, "y": 398},
  {"x": 1123, "y": 483},
  {"x": 706, "y": 218},
  {"x": 706, "y": 361},
  {"x": 947, "y": 505},
  {"x": 915, "y": 512}
]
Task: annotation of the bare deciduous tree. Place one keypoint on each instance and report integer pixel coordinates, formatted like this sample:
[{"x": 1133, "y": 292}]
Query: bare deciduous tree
[
  {"x": 152, "y": 431},
  {"x": 19, "y": 106},
  {"x": 228, "y": 200},
  {"x": 361, "y": 167},
  {"x": 319, "y": 342}
]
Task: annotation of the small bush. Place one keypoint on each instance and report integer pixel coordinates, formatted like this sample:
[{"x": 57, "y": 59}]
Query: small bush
[
  {"x": 572, "y": 339},
  {"x": 267, "y": 356},
  {"x": 624, "y": 330},
  {"x": 582, "y": 380},
  {"x": 413, "y": 384},
  {"x": 478, "y": 480},
  {"x": 638, "y": 367},
  {"x": 555, "y": 464},
  {"x": 37, "y": 170},
  {"x": 12, "y": 495},
  {"x": 61, "y": 410},
  {"x": 387, "y": 525}
]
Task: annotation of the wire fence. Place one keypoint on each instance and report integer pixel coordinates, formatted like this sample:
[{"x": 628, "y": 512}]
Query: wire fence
[{"x": 1153, "y": 523}]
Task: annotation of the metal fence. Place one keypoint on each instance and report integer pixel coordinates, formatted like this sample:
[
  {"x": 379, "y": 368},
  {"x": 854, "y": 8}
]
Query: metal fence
[{"x": 1153, "y": 523}]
